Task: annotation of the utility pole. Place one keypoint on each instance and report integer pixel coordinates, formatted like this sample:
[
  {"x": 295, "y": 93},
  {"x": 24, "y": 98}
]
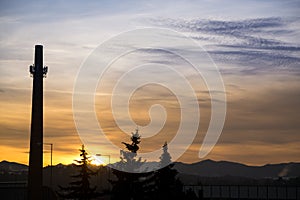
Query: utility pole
[
  {"x": 51, "y": 164},
  {"x": 35, "y": 174}
]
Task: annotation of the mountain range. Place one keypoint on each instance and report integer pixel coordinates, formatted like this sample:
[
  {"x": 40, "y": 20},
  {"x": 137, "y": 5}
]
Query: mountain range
[
  {"x": 6, "y": 166},
  {"x": 205, "y": 168},
  {"x": 210, "y": 168}
]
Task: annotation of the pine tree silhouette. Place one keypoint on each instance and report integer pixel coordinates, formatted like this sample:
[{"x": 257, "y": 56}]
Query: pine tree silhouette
[
  {"x": 80, "y": 189},
  {"x": 165, "y": 158},
  {"x": 132, "y": 186},
  {"x": 128, "y": 158},
  {"x": 168, "y": 186}
]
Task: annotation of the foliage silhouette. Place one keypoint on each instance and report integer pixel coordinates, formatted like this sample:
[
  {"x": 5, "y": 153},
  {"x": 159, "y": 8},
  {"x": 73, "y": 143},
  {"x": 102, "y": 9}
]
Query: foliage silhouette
[
  {"x": 80, "y": 189},
  {"x": 132, "y": 186},
  {"x": 168, "y": 186},
  {"x": 165, "y": 158}
]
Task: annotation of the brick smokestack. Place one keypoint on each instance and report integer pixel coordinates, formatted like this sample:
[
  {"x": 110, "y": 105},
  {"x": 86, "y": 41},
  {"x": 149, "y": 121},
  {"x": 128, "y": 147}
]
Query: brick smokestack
[{"x": 35, "y": 174}]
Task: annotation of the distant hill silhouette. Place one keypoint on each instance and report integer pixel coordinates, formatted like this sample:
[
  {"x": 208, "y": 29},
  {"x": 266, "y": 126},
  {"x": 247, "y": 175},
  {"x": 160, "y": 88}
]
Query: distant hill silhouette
[
  {"x": 12, "y": 166},
  {"x": 207, "y": 173},
  {"x": 205, "y": 168},
  {"x": 210, "y": 168}
]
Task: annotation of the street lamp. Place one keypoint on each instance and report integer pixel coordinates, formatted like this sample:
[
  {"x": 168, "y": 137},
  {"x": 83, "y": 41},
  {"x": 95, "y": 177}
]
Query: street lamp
[{"x": 51, "y": 151}]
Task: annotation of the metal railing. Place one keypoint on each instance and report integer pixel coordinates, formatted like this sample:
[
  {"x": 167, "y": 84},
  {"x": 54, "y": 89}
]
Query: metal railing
[{"x": 278, "y": 192}]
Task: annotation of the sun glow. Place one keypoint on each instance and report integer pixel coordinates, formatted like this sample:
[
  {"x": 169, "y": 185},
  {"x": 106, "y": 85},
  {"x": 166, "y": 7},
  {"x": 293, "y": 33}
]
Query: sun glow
[{"x": 96, "y": 161}]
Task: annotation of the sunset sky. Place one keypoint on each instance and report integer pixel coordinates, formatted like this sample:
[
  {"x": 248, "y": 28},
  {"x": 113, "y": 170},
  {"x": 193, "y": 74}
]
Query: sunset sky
[{"x": 254, "y": 43}]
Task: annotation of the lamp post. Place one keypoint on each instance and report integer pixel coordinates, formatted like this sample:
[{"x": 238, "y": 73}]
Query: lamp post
[{"x": 51, "y": 151}]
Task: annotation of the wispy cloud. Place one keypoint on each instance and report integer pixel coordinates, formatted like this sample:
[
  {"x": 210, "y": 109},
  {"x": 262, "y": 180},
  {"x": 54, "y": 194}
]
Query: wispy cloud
[
  {"x": 260, "y": 45},
  {"x": 248, "y": 40}
]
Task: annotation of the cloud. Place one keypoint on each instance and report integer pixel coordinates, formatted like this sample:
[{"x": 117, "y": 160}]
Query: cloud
[
  {"x": 268, "y": 114},
  {"x": 241, "y": 38},
  {"x": 261, "y": 45}
]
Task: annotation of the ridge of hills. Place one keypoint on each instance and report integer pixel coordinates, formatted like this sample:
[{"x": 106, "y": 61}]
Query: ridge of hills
[{"x": 205, "y": 168}]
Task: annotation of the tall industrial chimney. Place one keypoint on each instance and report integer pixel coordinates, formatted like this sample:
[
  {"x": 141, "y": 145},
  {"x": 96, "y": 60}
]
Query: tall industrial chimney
[{"x": 35, "y": 174}]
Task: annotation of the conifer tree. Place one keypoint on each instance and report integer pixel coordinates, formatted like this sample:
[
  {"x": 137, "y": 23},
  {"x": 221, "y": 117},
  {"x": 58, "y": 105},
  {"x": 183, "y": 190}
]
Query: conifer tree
[
  {"x": 165, "y": 158},
  {"x": 168, "y": 185},
  {"x": 80, "y": 189},
  {"x": 132, "y": 186}
]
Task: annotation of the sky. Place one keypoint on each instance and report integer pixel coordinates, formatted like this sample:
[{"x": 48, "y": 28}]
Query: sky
[{"x": 255, "y": 45}]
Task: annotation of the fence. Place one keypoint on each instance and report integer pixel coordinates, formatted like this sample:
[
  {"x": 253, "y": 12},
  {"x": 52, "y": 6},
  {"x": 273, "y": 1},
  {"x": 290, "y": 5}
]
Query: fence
[
  {"x": 18, "y": 191},
  {"x": 278, "y": 192}
]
